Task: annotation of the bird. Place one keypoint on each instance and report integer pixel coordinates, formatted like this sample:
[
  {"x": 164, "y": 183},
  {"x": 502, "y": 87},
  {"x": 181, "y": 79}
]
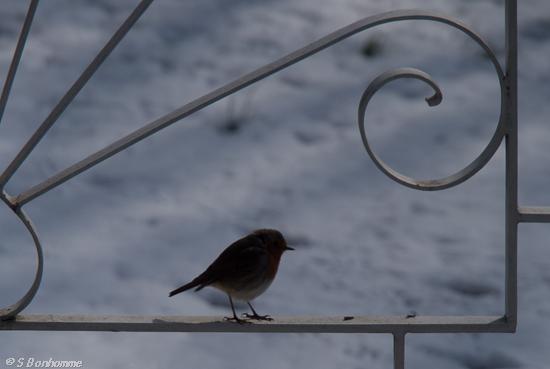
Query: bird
[{"x": 244, "y": 270}]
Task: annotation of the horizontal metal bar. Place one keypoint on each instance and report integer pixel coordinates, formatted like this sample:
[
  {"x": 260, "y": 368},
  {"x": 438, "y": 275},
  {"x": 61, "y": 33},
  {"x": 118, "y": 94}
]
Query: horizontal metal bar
[
  {"x": 301, "y": 324},
  {"x": 534, "y": 214}
]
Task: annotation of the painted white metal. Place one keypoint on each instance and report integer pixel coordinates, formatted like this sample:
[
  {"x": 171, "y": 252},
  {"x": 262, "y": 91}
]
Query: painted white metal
[
  {"x": 506, "y": 132},
  {"x": 239, "y": 84},
  {"x": 302, "y": 324}
]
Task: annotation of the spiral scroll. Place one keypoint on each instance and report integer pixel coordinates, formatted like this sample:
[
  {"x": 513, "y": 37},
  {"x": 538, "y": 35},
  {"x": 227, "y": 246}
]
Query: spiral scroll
[
  {"x": 426, "y": 185},
  {"x": 16, "y": 202},
  {"x": 474, "y": 166}
]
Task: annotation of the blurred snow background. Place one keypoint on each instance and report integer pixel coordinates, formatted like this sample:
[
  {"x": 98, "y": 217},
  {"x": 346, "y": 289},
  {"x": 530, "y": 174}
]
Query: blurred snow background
[{"x": 284, "y": 153}]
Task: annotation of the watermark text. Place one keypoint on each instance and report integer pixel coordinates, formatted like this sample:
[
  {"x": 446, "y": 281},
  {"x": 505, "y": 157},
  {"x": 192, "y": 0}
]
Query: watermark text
[{"x": 32, "y": 363}]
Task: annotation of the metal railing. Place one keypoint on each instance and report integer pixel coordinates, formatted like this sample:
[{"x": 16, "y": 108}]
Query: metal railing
[{"x": 506, "y": 131}]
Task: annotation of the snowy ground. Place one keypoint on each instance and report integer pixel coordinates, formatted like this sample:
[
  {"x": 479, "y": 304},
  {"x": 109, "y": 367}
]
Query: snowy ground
[{"x": 285, "y": 153}]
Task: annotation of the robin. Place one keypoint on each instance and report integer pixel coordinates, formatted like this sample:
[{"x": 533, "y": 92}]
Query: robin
[{"x": 244, "y": 270}]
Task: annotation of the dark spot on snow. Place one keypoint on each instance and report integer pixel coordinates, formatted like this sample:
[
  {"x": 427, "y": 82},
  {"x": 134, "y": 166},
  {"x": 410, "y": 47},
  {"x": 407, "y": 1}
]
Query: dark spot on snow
[
  {"x": 308, "y": 138},
  {"x": 471, "y": 288},
  {"x": 537, "y": 30},
  {"x": 371, "y": 48},
  {"x": 495, "y": 360},
  {"x": 231, "y": 126},
  {"x": 479, "y": 360}
]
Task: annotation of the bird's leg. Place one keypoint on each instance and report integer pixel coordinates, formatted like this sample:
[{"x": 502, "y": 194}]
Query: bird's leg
[
  {"x": 255, "y": 315},
  {"x": 235, "y": 318}
]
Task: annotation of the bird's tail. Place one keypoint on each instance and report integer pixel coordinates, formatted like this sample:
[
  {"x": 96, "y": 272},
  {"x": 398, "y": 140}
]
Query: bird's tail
[{"x": 184, "y": 288}]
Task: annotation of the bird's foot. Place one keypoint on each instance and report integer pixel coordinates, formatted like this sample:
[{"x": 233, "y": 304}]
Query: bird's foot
[
  {"x": 257, "y": 317},
  {"x": 237, "y": 320}
]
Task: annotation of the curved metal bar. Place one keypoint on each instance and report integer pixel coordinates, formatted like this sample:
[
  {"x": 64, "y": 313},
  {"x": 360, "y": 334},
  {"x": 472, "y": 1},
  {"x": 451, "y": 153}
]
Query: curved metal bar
[
  {"x": 17, "y": 307},
  {"x": 426, "y": 185},
  {"x": 240, "y": 83}
]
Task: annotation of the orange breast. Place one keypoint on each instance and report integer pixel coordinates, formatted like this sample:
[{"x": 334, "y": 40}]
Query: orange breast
[{"x": 273, "y": 259}]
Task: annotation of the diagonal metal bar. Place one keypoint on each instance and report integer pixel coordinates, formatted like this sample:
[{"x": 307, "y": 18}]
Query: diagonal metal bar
[
  {"x": 17, "y": 56},
  {"x": 297, "y": 324},
  {"x": 240, "y": 83},
  {"x": 73, "y": 91}
]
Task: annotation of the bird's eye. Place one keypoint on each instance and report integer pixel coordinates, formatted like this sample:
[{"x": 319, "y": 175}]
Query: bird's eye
[{"x": 276, "y": 243}]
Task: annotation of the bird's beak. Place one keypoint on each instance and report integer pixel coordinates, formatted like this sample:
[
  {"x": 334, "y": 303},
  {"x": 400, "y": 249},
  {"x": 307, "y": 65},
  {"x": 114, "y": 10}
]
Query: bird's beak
[{"x": 288, "y": 248}]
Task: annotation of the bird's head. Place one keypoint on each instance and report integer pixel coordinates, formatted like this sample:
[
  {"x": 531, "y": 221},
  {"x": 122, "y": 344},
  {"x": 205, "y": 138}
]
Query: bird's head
[{"x": 272, "y": 239}]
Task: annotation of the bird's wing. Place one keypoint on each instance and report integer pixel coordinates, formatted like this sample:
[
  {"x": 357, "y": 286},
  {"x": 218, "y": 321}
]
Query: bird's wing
[{"x": 241, "y": 258}]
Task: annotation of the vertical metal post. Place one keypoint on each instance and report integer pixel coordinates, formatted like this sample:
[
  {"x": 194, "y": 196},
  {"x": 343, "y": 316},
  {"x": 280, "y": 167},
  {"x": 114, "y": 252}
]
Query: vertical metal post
[
  {"x": 399, "y": 350},
  {"x": 510, "y": 106}
]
